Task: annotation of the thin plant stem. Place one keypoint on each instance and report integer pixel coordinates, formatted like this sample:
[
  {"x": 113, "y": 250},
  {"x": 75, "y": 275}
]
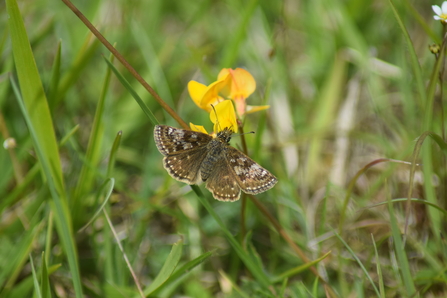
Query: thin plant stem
[
  {"x": 244, "y": 196},
  {"x": 441, "y": 102},
  {"x": 441, "y": 79},
  {"x": 137, "y": 283}
]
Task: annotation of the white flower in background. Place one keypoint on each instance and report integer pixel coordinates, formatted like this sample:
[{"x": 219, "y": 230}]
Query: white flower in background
[{"x": 441, "y": 12}]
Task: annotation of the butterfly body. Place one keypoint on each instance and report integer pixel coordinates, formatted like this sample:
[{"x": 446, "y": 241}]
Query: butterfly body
[
  {"x": 217, "y": 149},
  {"x": 193, "y": 157}
]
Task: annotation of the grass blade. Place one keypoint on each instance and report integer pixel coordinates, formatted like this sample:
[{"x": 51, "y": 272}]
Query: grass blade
[
  {"x": 58, "y": 205},
  {"x": 299, "y": 269},
  {"x": 35, "y": 281},
  {"x": 167, "y": 269},
  {"x": 358, "y": 262},
  {"x": 379, "y": 269},
  {"x": 44, "y": 281},
  {"x": 92, "y": 156},
  {"x": 402, "y": 259},
  {"x": 108, "y": 184},
  {"x": 186, "y": 268},
  {"x": 33, "y": 93},
  {"x": 134, "y": 94}
]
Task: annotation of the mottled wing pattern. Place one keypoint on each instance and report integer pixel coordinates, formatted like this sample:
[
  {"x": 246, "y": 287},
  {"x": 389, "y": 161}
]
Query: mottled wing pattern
[
  {"x": 185, "y": 167},
  {"x": 189, "y": 155},
  {"x": 184, "y": 151},
  {"x": 171, "y": 140},
  {"x": 251, "y": 177},
  {"x": 222, "y": 183}
]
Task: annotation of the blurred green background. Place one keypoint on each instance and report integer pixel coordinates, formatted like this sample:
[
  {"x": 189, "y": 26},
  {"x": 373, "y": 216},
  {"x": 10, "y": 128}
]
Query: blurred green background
[{"x": 346, "y": 87}]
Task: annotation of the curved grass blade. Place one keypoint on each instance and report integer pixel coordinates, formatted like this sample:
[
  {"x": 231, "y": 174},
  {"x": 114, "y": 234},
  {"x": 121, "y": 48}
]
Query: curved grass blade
[
  {"x": 358, "y": 262},
  {"x": 110, "y": 182},
  {"x": 133, "y": 93},
  {"x": 167, "y": 269},
  {"x": 300, "y": 269},
  {"x": 186, "y": 268}
]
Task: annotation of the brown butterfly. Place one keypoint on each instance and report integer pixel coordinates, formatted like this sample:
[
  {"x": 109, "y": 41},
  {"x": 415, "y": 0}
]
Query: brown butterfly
[{"x": 193, "y": 157}]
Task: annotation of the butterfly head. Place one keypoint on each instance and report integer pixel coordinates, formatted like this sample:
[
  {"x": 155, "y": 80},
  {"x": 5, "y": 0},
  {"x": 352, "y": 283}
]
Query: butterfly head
[{"x": 225, "y": 134}]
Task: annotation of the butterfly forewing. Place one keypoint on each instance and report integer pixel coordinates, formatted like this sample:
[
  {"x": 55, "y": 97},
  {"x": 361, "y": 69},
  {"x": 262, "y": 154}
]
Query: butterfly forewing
[
  {"x": 172, "y": 141},
  {"x": 251, "y": 177},
  {"x": 184, "y": 151}
]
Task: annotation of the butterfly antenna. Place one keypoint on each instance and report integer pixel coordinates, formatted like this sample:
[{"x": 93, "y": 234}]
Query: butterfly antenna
[
  {"x": 241, "y": 134},
  {"x": 217, "y": 119}
]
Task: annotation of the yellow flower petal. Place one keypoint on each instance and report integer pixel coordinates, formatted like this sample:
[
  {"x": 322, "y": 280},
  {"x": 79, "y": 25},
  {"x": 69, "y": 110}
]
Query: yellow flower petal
[
  {"x": 211, "y": 95},
  {"x": 253, "y": 109},
  {"x": 196, "y": 91},
  {"x": 224, "y": 72},
  {"x": 224, "y": 116},
  {"x": 242, "y": 82},
  {"x": 198, "y": 128}
]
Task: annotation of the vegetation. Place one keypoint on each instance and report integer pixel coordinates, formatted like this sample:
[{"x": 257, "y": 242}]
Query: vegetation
[{"x": 355, "y": 134}]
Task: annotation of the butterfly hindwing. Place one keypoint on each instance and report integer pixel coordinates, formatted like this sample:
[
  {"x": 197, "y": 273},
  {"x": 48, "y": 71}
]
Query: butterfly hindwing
[
  {"x": 223, "y": 184},
  {"x": 251, "y": 177},
  {"x": 185, "y": 167}
]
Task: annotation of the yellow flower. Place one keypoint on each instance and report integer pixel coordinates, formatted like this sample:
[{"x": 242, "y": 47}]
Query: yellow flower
[
  {"x": 224, "y": 116},
  {"x": 205, "y": 96},
  {"x": 198, "y": 128},
  {"x": 235, "y": 84},
  {"x": 242, "y": 86}
]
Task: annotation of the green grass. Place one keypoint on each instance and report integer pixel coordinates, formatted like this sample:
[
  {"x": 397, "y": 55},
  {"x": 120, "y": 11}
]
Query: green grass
[{"x": 355, "y": 135}]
